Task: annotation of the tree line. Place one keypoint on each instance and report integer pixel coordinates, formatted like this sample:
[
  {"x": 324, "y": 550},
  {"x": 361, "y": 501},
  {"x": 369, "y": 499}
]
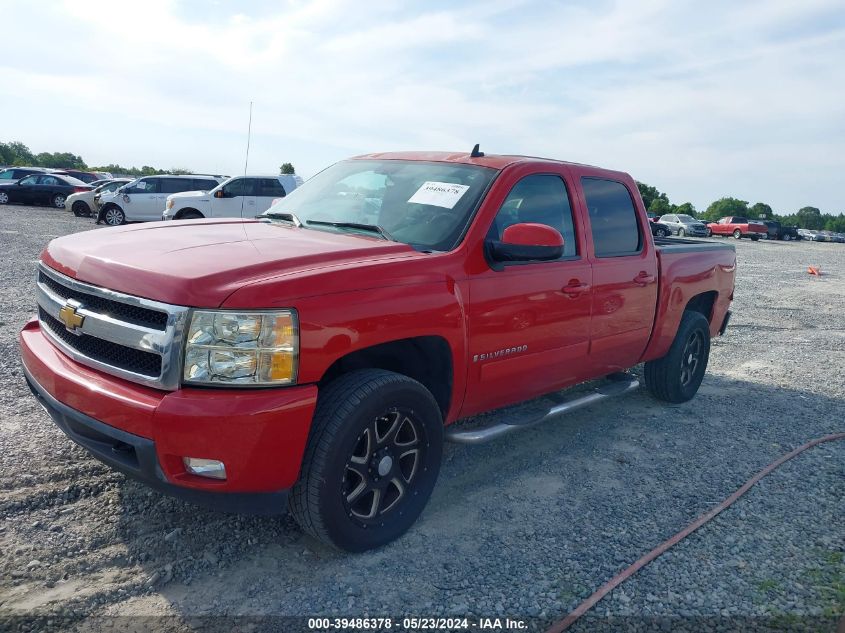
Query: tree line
[
  {"x": 658, "y": 203},
  {"x": 17, "y": 154}
]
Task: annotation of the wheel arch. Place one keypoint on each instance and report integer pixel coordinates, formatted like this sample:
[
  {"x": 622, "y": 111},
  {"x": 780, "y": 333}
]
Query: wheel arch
[
  {"x": 426, "y": 359},
  {"x": 182, "y": 212}
]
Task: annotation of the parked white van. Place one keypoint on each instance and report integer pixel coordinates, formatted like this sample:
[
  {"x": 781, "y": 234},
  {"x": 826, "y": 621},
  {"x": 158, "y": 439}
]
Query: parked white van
[
  {"x": 143, "y": 199},
  {"x": 238, "y": 197}
]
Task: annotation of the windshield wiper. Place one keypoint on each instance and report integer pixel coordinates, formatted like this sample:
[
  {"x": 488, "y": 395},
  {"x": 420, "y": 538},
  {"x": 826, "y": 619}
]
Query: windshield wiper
[
  {"x": 372, "y": 228},
  {"x": 281, "y": 215}
]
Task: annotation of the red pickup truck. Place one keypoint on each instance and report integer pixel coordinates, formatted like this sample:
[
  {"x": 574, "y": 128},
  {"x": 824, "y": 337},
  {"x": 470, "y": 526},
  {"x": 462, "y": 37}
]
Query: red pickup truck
[
  {"x": 739, "y": 227},
  {"x": 318, "y": 356}
]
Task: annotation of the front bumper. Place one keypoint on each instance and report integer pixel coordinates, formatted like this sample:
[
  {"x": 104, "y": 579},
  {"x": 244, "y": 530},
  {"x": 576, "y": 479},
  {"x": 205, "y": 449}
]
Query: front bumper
[{"x": 259, "y": 434}]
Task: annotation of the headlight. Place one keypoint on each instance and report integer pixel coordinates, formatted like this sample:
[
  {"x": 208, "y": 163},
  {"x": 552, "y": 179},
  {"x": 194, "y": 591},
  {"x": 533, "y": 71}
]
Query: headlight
[
  {"x": 242, "y": 348},
  {"x": 169, "y": 204}
]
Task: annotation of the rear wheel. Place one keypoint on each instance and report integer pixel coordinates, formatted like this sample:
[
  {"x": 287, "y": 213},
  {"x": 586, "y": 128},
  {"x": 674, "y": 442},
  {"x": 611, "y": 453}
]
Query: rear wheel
[
  {"x": 4, "y": 197},
  {"x": 677, "y": 376},
  {"x": 682, "y": 233},
  {"x": 80, "y": 209},
  {"x": 737, "y": 234},
  {"x": 371, "y": 461},
  {"x": 114, "y": 216},
  {"x": 58, "y": 200}
]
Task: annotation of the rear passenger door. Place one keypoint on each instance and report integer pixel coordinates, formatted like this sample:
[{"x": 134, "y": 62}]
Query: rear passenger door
[
  {"x": 267, "y": 190},
  {"x": 529, "y": 321},
  {"x": 625, "y": 273}
]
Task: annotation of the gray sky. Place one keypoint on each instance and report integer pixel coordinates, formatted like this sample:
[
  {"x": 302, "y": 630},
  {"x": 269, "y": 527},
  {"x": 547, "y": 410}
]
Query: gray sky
[{"x": 699, "y": 99}]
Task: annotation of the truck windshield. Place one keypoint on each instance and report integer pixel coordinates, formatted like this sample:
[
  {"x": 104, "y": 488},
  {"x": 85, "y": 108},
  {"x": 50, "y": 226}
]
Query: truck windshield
[{"x": 425, "y": 204}]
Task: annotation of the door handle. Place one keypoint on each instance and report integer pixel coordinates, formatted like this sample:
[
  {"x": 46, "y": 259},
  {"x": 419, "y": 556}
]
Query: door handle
[
  {"x": 575, "y": 288},
  {"x": 643, "y": 279}
]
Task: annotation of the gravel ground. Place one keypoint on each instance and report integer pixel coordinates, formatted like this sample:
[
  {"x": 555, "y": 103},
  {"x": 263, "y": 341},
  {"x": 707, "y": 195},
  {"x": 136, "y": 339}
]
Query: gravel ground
[{"x": 526, "y": 528}]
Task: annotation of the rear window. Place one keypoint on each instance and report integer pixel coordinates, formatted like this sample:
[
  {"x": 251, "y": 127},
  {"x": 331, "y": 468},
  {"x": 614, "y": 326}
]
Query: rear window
[
  {"x": 202, "y": 184},
  {"x": 613, "y": 218},
  {"x": 177, "y": 185},
  {"x": 740, "y": 221}
]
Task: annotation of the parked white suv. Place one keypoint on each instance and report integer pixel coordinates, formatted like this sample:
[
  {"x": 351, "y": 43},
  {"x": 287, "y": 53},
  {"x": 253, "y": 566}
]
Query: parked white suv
[
  {"x": 238, "y": 197},
  {"x": 143, "y": 199}
]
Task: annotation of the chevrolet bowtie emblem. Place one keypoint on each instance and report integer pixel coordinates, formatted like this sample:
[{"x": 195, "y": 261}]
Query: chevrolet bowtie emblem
[{"x": 69, "y": 316}]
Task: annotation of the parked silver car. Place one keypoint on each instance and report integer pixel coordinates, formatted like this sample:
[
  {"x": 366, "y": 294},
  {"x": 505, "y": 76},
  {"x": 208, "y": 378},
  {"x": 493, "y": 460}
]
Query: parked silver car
[{"x": 681, "y": 225}]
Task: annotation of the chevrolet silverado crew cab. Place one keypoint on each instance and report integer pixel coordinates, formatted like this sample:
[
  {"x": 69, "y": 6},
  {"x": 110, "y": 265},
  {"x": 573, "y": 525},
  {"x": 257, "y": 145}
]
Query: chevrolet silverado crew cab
[
  {"x": 739, "y": 227},
  {"x": 317, "y": 357},
  {"x": 144, "y": 199},
  {"x": 238, "y": 197}
]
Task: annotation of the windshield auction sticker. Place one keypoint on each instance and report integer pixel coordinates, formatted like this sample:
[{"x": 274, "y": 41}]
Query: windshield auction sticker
[{"x": 439, "y": 194}]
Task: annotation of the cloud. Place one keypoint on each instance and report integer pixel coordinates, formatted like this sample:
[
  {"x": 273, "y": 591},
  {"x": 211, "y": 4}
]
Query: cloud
[{"x": 701, "y": 100}]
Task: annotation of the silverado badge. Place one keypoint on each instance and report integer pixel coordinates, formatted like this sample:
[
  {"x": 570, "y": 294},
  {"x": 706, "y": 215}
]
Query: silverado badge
[{"x": 69, "y": 315}]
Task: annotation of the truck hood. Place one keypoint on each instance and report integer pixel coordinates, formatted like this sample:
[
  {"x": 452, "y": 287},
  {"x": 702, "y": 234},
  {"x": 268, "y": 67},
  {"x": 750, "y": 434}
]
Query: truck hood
[
  {"x": 200, "y": 263},
  {"x": 189, "y": 194}
]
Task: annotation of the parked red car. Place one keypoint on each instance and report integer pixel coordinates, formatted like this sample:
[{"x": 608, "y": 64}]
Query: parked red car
[
  {"x": 322, "y": 353},
  {"x": 739, "y": 227}
]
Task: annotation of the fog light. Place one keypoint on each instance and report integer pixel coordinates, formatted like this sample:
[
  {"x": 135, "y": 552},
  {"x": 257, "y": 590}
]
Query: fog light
[{"x": 205, "y": 467}]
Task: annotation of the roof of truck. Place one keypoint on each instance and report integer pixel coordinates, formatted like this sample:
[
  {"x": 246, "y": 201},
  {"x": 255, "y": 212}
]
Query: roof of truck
[{"x": 494, "y": 161}]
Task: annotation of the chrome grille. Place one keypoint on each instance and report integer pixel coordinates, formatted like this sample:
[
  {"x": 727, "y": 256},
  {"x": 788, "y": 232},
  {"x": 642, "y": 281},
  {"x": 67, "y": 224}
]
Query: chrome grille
[{"x": 123, "y": 335}]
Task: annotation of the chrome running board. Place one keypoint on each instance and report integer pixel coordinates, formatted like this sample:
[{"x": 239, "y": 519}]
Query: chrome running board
[{"x": 618, "y": 385}]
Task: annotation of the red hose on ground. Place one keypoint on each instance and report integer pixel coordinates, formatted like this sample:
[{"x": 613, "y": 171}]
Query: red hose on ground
[{"x": 622, "y": 576}]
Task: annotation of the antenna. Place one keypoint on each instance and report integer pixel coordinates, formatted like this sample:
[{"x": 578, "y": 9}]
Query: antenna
[
  {"x": 246, "y": 161},
  {"x": 475, "y": 153}
]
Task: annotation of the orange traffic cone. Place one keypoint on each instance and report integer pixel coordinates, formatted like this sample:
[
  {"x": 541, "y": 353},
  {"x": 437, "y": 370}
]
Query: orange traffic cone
[{"x": 815, "y": 270}]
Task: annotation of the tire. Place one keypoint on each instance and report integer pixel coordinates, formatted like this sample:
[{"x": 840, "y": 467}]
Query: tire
[
  {"x": 80, "y": 209},
  {"x": 737, "y": 234},
  {"x": 114, "y": 216},
  {"x": 755, "y": 237},
  {"x": 4, "y": 197},
  {"x": 709, "y": 232},
  {"x": 675, "y": 377},
  {"x": 345, "y": 446},
  {"x": 191, "y": 215},
  {"x": 58, "y": 200},
  {"x": 786, "y": 237},
  {"x": 661, "y": 233},
  {"x": 682, "y": 233}
]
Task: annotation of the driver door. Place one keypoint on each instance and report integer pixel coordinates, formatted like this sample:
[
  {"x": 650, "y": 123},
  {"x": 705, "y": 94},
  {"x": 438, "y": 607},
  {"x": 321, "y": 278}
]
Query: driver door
[
  {"x": 25, "y": 190},
  {"x": 236, "y": 199},
  {"x": 143, "y": 200},
  {"x": 529, "y": 322}
]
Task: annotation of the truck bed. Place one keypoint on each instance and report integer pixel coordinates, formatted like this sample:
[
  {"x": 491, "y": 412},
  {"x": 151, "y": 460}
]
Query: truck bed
[{"x": 671, "y": 245}]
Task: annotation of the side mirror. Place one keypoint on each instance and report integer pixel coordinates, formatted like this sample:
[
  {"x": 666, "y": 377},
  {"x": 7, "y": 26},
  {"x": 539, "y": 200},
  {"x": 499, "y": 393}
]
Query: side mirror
[
  {"x": 219, "y": 193},
  {"x": 527, "y": 242}
]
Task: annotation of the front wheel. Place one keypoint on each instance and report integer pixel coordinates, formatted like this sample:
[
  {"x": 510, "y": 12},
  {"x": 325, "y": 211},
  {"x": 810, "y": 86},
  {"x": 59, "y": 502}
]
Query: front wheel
[
  {"x": 114, "y": 216},
  {"x": 371, "y": 461},
  {"x": 677, "y": 376},
  {"x": 59, "y": 200},
  {"x": 80, "y": 209},
  {"x": 661, "y": 233}
]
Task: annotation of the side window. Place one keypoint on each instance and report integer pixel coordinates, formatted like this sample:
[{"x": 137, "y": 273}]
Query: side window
[
  {"x": 270, "y": 188},
  {"x": 239, "y": 187},
  {"x": 740, "y": 221},
  {"x": 29, "y": 180},
  {"x": 48, "y": 180},
  {"x": 175, "y": 185},
  {"x": 540, "y": 199},
  {"x": 613, "y": 218},
  {"x": 146, "y": 186},
  {"x": 201, "y": 184}
]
